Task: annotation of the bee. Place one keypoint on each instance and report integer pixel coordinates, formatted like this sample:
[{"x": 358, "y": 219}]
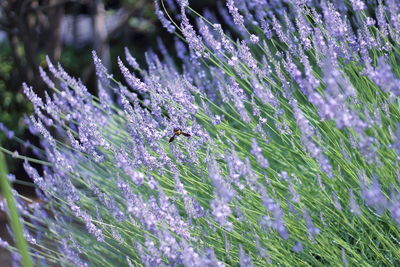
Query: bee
[{"x": 178, "y": 132}]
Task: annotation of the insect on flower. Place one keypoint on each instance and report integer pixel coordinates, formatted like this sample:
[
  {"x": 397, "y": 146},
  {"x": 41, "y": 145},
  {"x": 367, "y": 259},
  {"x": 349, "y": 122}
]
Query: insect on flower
[{"x": 178, "y": 132}]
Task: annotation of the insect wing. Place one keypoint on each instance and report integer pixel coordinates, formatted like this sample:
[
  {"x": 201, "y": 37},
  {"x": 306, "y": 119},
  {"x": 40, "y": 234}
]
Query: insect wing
[{"x": 186, "y": 134}]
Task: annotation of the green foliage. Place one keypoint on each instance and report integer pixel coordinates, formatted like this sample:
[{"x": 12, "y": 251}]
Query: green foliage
[
  {"x": 12, "y": 102},
  {"x": 13, "y": 213}
]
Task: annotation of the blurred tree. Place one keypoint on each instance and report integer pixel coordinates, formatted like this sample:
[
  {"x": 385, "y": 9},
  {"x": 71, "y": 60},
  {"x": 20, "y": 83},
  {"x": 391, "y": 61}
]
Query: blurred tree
[
  {"x": 32, "y": 29},
  {"x": 35, "y": 28}
]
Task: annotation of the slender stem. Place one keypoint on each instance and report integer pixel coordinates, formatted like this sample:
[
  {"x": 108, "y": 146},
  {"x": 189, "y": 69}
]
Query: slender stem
[{"x": 16, "y": 225}]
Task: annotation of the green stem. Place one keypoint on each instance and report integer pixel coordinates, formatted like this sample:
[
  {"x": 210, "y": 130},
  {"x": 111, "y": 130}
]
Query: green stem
[{"x": 16, "y": 225}]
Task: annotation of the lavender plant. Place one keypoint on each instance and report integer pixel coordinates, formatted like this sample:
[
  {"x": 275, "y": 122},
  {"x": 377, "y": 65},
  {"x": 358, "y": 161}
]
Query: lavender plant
[{"x": 293, "y": 156}]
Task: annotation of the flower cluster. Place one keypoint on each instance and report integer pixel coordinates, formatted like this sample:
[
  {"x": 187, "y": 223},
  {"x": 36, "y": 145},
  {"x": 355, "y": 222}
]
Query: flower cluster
[{"x": 285, "y": 147}]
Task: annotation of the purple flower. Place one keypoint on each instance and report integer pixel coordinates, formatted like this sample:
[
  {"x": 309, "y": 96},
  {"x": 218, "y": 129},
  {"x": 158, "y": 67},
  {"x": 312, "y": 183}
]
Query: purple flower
[
  {"x": 394, "y": 208},
  {"x": 370, "y": 22},
  {"x": 247, "y": 58},
  {"x": 313, "y": 231},
  {"x": 354, "y": 208},
  {"x": 190, "y": 257},
  {"x": 164, "y": 21},
  {"x": 183, "y": 3},
  {"x": 4, "y": 243},
  {"x": 277, "y": 212},
  {"x": 195, "y": 42},
  {"x": 71, "y": 254},
  {"x": 87, "y": 219},
  {"x": 333, "y": 21},
  {"x": 238, "y": 98},
  {"x": 39, "y": 127},
  {"x": 224, "y": 194},
  {"x": 307, "y": 132},
  {"x": 304, "y": 30},
  {"x": 9, "y": 134},
  {"x": 221, "y": 211},
  {"x": 46, "y": 78},
  {"x": 298, "y": 247},
  {"x": 266, "y": 28},
  {"x": 34, "y": 175},
  {"x": 395, "y": 136},
  {"x": 133, "y": 82},
  {"x": 336, "y": 202},
  {"x": 209, "y": 38},
  {"x": 384, "y": 77},
  {"x": 278, "y": 30},
  {"x": 295, "y": 196},
  {"x": 36, "y": 101},
  {"x": 131, "y": 60},
  {"x": 381, "y": 17},
  {"x": 358, "y": 5},
  {"x": 244, "y": 260},
  {"x": 257, "y": 153},
  {"x": 101, "y": 70},
  {"x": 254, "y": 38},
  {"x": 234, "y": 11},
  {"x": 373, "y": 195},
  {"x": 153, "y": 257}
]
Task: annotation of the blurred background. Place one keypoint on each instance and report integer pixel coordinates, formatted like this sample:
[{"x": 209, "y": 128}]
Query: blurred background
[{"x": 67, "y": 31}]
